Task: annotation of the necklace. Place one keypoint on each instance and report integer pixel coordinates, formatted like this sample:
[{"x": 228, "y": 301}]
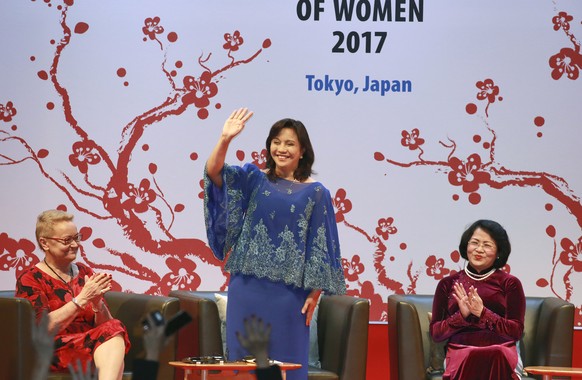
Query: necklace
[
  {"x": 479, "y": 277},
  {"x": 289, "y": 188},
  {"x": 62, "y": 279}
]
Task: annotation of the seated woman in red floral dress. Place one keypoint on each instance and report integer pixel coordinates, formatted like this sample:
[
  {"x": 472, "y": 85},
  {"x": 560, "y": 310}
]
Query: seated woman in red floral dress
[{"x": 72, "y": 295}]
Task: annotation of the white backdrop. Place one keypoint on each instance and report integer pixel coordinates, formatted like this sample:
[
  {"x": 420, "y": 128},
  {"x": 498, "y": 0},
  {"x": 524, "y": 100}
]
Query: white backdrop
[{"x": 109, "y": 109}]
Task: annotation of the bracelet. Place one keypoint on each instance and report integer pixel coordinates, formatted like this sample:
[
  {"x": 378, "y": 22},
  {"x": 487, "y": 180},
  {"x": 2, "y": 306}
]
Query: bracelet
[{"x": 74, "y": 300}]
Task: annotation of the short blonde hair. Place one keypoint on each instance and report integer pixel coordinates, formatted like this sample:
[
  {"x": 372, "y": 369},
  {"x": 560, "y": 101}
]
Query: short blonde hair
[{"x": 46, "y": 221}]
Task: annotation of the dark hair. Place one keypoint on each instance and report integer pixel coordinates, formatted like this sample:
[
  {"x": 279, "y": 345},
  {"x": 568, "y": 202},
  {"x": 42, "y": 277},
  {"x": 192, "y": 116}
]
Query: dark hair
[
  {"x": 497, "y": 233},
  {"x": 303, "y": 170}
]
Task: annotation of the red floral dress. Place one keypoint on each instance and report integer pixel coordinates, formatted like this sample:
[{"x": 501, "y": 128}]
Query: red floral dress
[{"x": 81, "y": 337}]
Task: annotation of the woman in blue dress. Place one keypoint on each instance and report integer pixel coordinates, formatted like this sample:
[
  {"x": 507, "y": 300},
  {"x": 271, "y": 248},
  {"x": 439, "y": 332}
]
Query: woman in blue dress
[{"x": 276, "y": 230}]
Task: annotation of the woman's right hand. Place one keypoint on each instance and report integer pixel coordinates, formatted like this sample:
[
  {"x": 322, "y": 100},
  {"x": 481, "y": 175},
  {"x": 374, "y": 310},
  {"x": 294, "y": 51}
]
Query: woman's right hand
[
  {"x": 235, "y": 123},
  {"x": 462, "y": 299},
  {"x": 232, "y": 127}
]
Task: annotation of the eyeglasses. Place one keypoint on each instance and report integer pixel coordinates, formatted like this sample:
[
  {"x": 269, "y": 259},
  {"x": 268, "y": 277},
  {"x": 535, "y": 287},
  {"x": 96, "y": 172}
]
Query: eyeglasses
[
  {"x": 67, "y": 240},
  {"x": 487, "y": 247}
]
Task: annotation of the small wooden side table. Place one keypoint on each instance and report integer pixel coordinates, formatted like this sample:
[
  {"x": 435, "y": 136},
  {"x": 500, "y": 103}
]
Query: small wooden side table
[
  {"x": 228, "y": 370},
  {"x": 548, "y": 372}
]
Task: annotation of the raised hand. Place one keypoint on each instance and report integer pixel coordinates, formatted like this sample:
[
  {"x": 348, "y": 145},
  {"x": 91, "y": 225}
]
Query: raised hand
[
  {"x": 256, "y": 340},
  {"x": 83, "y": 373},
  {"x": 236, "y": 123},
  {"x": 95, "y": 286}
]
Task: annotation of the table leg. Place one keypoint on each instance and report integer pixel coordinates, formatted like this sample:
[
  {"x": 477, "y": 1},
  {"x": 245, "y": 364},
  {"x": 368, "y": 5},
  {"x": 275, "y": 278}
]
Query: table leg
[
  {"x": 547, "y": 377},
  {"x": 283, "y": 374}
]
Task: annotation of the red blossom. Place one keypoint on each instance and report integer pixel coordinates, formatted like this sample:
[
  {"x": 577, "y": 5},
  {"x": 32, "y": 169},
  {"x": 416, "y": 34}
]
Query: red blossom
[
  {"x": 488, "y": 91},
  {"x": 233, "y": 41},
  {"x": 139, "y": 198},
  {"x": 353, "y": 270},
  {"x": 83, "y": 155},
  {"x": 199, "y": 91},
  {"x": 152, "y": 28},
  {"x": 568, "y": 62},
  {"x": 385, "y": 228},
  {"x": 377, "y": 305},
  {"x": 412, "y": 139},
  {"x": 7, "y": 112},
  {"x": 182, "y": 276},
  {"x": 571, "y": 254},
  {"x": 16, "y": 254},
  {"x": 467, "y": 174},
  {"x": 260, "y": 159},
  {"x": 342, "y": 205},
  {"x": 562, "y": 20},
  {"x": 436, "y": 267}
]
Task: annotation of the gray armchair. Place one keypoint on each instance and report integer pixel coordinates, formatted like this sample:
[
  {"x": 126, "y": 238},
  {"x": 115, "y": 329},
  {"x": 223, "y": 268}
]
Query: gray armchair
[{"x": 547, "y": 338}]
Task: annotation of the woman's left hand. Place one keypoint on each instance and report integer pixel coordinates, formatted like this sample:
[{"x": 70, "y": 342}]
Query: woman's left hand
[
  {"x": 309, "y": 305},
  {"x": 475, "y": 302}
]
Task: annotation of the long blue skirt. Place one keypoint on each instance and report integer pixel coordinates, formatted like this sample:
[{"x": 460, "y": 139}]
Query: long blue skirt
[{"x": 277, "y": 304}]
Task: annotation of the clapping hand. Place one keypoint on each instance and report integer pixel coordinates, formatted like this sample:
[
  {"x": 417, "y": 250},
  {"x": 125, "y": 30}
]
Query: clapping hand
[{"x": 469, "y": 303}]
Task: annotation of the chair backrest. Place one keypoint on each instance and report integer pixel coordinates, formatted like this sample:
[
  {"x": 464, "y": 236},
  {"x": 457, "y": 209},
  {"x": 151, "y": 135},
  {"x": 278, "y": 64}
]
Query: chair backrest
[
  {"x": 342, "y": 331},
  {"x": 130, "y": 309},
  {"x": 547, "y": 338}
]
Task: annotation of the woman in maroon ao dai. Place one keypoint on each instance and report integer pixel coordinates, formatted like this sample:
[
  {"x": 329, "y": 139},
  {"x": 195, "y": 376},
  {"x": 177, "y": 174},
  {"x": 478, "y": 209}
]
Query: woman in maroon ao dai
[{"x": 480, "y": 310}]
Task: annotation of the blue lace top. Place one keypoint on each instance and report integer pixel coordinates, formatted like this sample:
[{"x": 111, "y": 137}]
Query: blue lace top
[{"x": 282, "y": 231}]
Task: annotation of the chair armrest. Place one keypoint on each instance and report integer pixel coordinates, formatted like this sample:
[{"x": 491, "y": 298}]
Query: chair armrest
[
  {"x": 343, "y": 335},
  {"x": 16, "y": 349},
  {"x": 555, "y": 333},
  {"x": 405, "y": 340},
  {"x": 202, "y": 336},
  {"x": 130, "y": 309}
]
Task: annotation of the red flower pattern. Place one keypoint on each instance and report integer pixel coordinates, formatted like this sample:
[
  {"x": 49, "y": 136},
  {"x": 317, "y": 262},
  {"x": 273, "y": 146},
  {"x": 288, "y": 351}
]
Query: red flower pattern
[
  {"x": 353, "y": 269},
  {"x": 233, "y": 41},
  {"x": 199, "y": 91},
  {"x": 83, "y": 155},
  {"x": 436, "y": 267},
  {"x": 385, "y": 228},
  {"x": 377, "y": 305},
  {"x": 7, "y": 112},
  {"x": 572, "y": 254},
  {"x": 16, "y": 254},
  {"x": 139, "y": 198},
  {"x": 562, "y": 20},
  {"x": 260, "y": 159},
  {"x": 568, "y": 62},
  {"x": 412, "y": 139},
  {"x": 488, "y": 90},
  {"x": 152, "y": 28},
  {"x": 467, "y": 174},
  {"x": 342, "y": 205},
  {"x": 182, "y": 276}
]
